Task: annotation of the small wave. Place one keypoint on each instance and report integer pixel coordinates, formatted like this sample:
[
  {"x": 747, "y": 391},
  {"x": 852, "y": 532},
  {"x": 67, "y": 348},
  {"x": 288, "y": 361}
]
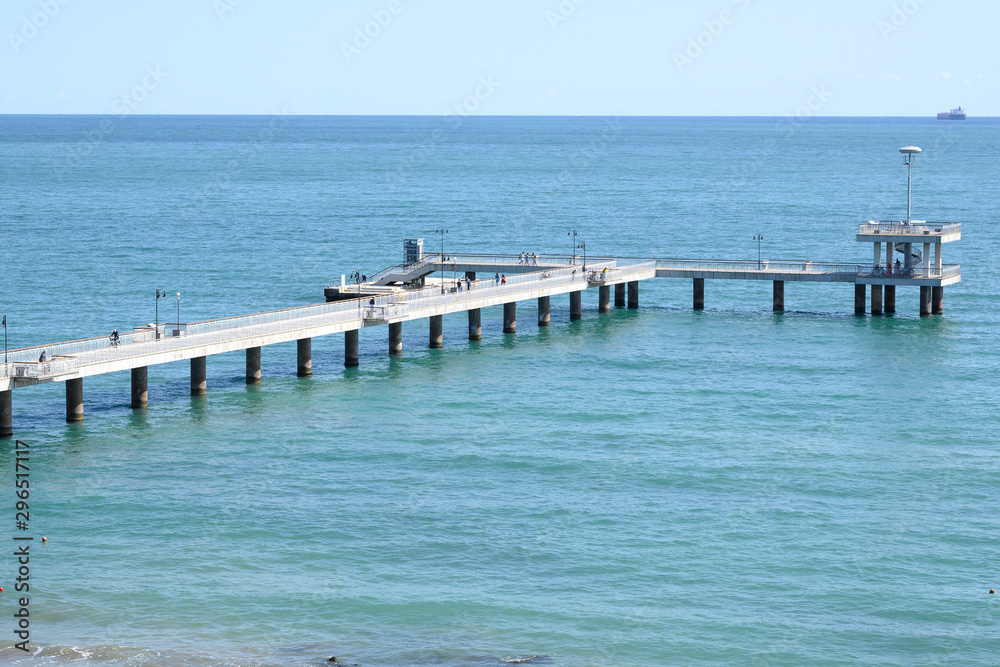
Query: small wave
[{"x": 525, "y": 659}]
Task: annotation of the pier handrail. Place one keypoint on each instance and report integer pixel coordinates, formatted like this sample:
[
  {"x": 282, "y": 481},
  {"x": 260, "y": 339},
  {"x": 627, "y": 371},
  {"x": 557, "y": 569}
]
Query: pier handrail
[{"x": 899, "y": 227}]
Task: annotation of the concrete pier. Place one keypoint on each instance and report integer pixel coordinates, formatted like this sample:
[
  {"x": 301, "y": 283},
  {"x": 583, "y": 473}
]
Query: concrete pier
[
  {"x": 937, "y": 300},
  {"x": 475, "y": 324},
  {"x": 6, "y": 414},
  {"x": 199, "y": 377},
  {"x": 351, "y": 348},
  {"x": 74, "y": 400},
  {"x": 699, "y": 294},
  {"x": 140, "y": 387},
  {"x": 633, "y": 294},
  {"x": 778, "y": 296},
  {"x": 876, "y": 299},
  {"x": 576, "y": 305},
  {"x": 253, "y": 365},
  {"x": 544, "y": 316},
  {"x": 889, "y": 300},
  {"x": 620, "y": 295},
  {"x": 925, "y": 301},
  {"x": 304, "y": 364},
  {"x": 859, "y": 299},
  {"x": 510, "y": 317},
  {"x": 437, "y": 332},
  {"x": 604, "y": 299},
  {"x": 396, "y": 338}
]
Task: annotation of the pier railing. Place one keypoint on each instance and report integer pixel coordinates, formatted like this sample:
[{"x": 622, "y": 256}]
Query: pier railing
[{"x": 898, "y": 227}]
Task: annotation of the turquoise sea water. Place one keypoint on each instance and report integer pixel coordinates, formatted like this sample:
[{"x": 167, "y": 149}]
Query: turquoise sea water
[{"x": 651, "y": 487}]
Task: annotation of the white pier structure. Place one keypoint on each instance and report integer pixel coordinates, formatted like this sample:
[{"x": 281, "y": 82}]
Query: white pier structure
[{"x": 404, "y": 293}]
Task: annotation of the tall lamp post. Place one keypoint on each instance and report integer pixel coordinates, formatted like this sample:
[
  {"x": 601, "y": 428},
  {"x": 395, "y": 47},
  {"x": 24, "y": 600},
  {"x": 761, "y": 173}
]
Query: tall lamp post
[
  {"x": 442, "y": 231},
  {"x": 758, "y": 238},
  {"x": 178, "y": 313},
  {"x": 5, "y": 341},
  {"x": 574, "y": 235},
  {"x": 910, "y": 156},
  {"x": 160, "y": 293},
  {"x": 583, "y": 246}
]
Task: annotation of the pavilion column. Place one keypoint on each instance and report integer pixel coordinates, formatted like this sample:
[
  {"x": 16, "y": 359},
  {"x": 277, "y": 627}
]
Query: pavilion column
[
  {"x": 74, "y": 400},
  {"x": 351, "y": 348},
  {"x": 633, "y": 294},
  {"x": 876, "y": 299},
  {"x": 604, "y": 299},
  {"x": 576, "y": 305},
  {"x": 620, "y": 295},
  {"x": 199, "y": 377},
  {"x": 140, "y": 387},
  {"x": 778, "y": 296},
  {"x": 253, "y": 365},
  {"x": 699, "y": 294},
  {"x": 475, "y": 324},
  {"x": 859, "y": 299},
  {"x": 889, "y": 305},
  {"x": 544, "y": 314},
  {"x": 937, "y": 300},
  {"x": 6, "y": 413},
  {"x": 437, "y": 332},
  {"x": 396, "y": 338},
  {"x": 510, "y": 317},
  {"x": 304, "y": 356}
]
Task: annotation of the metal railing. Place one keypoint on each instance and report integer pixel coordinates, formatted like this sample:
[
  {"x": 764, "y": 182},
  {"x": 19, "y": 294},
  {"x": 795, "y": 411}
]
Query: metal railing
[{"x": 900, "y": 227}]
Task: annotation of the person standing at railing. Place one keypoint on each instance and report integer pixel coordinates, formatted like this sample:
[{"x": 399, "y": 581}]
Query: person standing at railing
[
  {"x": 496, "y": 277},
  {"x": 534, "y": 259},
  {"x": 468, "y": 283},
  {"x": 41, "y": 357},
  {"x": 503, "y": 279}
]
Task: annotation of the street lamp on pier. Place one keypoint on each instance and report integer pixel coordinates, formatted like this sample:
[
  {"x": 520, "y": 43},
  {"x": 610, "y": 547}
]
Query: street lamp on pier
[
  {"x": 160, "y": 293},
  {"x": 910, "y": 156},
  {"x": 442, "y": 231},
  {"x": 573, "y": 234},
  {"x": 758, "y": 238},
  {"x": 178, "y": 313}
]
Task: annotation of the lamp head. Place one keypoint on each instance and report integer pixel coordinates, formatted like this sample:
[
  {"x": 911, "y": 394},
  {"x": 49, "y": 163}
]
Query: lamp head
[{"x": 910, "y": 150}]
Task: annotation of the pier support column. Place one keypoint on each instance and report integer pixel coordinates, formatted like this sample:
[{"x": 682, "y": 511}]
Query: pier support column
[
  {"x": 6, "y": 414},
  {"x": 620, "y": 295},
  {"x": 925, "y": 301},
  {"x": 604, "y": 299},
  {"x": 437, "y": 332},
  {"x": 199, "y": 377},
  {"x": 859, "y": 299},
  {"x": 396, "y": 338},
  {"x": 140, "y": 387},
  {"x": 304, "y": 365},
  {"x": 475, "y": 324},
  {"x": 778, "y": 296},
  {"x": 699, "y": 294},
  {"x": 633, "y": 294},
  {"x": 510, "y": 317},
  {"x": 937, "y": 300},
  {"x": 253, "y": 365},
  {"x": 351, "y": 348},
  {"x": 876, "y": 299},
  {"x": 576, "y": 305},
  {"x": 889, "y": 305},
  {"x": 74, "y": 400},
  {"x": 544, "y": 316}
]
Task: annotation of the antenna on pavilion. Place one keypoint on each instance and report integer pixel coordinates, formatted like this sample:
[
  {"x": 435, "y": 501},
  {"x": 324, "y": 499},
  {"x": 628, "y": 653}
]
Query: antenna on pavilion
[{"x": 910, "y": 153}]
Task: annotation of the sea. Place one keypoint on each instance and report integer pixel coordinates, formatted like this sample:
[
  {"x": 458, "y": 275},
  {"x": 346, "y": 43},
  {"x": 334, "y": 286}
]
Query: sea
[{"x": 648, "y": 487}]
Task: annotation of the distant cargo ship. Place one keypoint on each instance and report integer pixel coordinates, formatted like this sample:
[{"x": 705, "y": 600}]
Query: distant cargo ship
[{"x": 954, "y": 114}]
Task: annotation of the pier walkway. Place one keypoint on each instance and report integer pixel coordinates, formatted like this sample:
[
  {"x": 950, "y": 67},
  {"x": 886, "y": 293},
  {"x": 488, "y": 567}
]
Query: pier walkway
[{"x": 404, "y": 293}]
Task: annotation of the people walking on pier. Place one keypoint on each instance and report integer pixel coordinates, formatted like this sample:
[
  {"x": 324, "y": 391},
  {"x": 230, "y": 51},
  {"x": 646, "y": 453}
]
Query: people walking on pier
[
  {"x": 468, "y": 283},
  {"x": 520, "y": 258},
  {"x": 458, "y": 285},
  {"x": 497, "y": 278},
  {"x": 503, "y": 279},
  {"x": 534, "y": 259}
]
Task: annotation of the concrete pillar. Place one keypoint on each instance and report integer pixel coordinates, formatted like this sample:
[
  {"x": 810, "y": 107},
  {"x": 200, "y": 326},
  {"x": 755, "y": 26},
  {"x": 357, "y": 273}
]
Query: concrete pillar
[
  {"x": 396, "y": 338},
  {"x": 908, "y": 251},
  {"x": 876, "y": 299},
  {"x": 925, "y": 301},
  {"x": 888, "y": 254},
  {"x": 253, "y": 365},
  {"x": 859, "y": 299},
  {"x": 304, "y": 364},
  {"x": 878, "y": 253},
  {"x": 699, "y": 294},
  {"x": 633, "y": 294},
  {"x": 351, "y": 348},
  {"x": 199, "y": 377},
  {"x": 6, "y": 414},
  {"x": 544, "y": 317},
  {"x": 620, "y": 295},
  {"x": 889, "y": 305},
  {"x": 140, "y": 387},
  {"x": 926, "y": 260},
  {"x": 604, "y": 299},
  {"x": 937, "y": 300},
  {"x": 437, "y": 332},
  {"x": 510, "y": 317},
  {"x": 74, "y": 400},
  {"x": 576, "y": 305},
  {"x": 475, "y": 324},
  {"x": 778, "y": 296},
  {"x": 937, "y": 258}
]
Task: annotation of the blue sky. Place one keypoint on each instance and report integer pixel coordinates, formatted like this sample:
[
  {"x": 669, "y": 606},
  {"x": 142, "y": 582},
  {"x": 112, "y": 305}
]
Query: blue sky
[{"x": 573, "y": 57}]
